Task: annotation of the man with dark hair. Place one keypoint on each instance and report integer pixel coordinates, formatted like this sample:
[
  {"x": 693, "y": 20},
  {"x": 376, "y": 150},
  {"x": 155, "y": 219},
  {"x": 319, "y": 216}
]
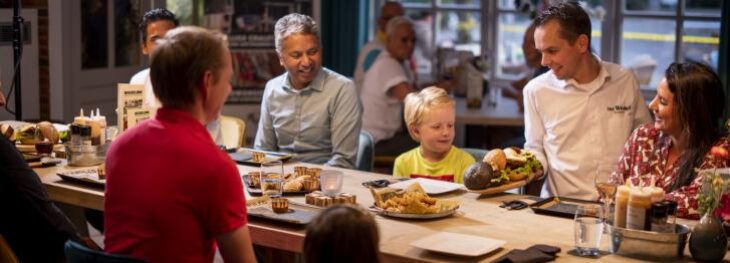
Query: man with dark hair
[
  {"x": 172, "y": 195},
  {"x": 579, "y": 114},
  {"x": 155, "y": 23}
]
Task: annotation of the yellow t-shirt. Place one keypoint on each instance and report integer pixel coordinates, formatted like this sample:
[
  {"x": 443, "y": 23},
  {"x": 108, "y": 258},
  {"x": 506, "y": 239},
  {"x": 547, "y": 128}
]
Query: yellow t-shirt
[{"x": 451, "y": 168}]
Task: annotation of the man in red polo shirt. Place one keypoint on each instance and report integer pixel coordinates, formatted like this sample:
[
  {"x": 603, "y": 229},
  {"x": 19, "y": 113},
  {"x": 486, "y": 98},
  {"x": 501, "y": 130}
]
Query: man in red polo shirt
[{"x": 171, "y": 194}]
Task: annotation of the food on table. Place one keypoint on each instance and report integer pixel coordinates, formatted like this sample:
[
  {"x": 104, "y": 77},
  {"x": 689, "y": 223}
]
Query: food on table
[
  {"x": 258, "y": 157},
  {"x": 320, "y": 199},
  {"x": 101, "y": 172},
  {"x": 500, "y": 167},
  {"x": 521, "y": 164},
  {"x": 292, "y": 182},
  {"x": 280, "y": 205},
  {"x": 35, "y": 133},
  {"x": 254, "y": 178},
  {"x": 7, "y": 131},
  {"x": 412, "y": 200},
  {"x": 293, "y": 186},
  {"x": 496, "y": 158},
  {"x": 479, "y": 176}
]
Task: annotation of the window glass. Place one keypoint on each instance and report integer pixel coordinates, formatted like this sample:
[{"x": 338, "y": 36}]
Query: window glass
[
  {"x": 651, "y": 5},
  {"x": 647, "y": 48},
  {"x": 126, "y": 41},
  {"x": 700, "y": 42},
  {"x": 424, "y": 51},
  {"x": 703, "y": 7},
  {"x": 94, "y": 34},
  {"x": 460, "y": 29},
  {"x": 460, "y": 3},
  {"x": 510, "y": 33}
]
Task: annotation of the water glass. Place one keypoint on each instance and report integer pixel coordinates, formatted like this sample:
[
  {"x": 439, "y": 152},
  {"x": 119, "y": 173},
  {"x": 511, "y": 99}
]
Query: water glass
[
  {"x": 588, "y": 228},
  {"x": 331, "y": 182},
  {"x": 272, "y": 176}
]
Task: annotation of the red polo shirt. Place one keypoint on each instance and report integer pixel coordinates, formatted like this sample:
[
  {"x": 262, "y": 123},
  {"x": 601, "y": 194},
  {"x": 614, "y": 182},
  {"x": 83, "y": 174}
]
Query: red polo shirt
[{"x": 170, "y": 191}]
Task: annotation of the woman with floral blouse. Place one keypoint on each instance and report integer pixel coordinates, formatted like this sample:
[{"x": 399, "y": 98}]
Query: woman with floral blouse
[{"x": 687, "y": 124}]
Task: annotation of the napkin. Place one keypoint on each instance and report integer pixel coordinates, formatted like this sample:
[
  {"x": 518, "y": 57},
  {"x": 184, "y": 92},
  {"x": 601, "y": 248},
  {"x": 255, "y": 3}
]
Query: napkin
[{"x": 533, "y": 254}]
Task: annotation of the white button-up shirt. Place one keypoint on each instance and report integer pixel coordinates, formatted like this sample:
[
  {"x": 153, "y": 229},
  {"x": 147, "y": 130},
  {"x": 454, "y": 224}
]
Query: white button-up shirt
[{"x": 574, "y": 129}]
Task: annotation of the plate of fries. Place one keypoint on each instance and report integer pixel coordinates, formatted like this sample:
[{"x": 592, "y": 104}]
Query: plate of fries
[{"x": 411, "y": 203}]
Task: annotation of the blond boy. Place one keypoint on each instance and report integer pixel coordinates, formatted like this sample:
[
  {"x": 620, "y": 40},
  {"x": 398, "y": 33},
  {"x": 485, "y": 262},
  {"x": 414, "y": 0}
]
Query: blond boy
[{"x": 429, "y": 115}]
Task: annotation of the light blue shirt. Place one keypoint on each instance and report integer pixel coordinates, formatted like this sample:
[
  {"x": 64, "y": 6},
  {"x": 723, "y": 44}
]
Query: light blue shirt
[{"x": 317, "y": 124}]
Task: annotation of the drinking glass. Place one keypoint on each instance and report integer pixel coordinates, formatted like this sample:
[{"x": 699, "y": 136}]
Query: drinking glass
[
  {"x": 606, "y": 188},
  {"x": 272, "y": 175},
  {"x": 588, "y": 229}
]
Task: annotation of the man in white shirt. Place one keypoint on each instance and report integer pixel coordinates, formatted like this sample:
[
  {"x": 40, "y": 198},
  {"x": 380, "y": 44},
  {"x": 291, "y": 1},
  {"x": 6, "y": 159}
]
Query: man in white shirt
[
  {"x": 372, "y": 49},
  {"x": 155, "y": 23},
  {"x": 580, "y": 113}
]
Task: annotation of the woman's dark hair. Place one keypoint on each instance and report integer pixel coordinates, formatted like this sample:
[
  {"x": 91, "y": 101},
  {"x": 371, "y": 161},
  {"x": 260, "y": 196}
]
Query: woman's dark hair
[
  {"x": 700, "y": 103},
  {"x": 342, "y": 233}
]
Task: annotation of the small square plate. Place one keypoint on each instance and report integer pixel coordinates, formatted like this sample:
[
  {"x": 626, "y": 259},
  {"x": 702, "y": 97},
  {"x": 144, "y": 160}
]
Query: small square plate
[
  {"x": 432, "y": 187},
  {"x": 458, "y": 244}
]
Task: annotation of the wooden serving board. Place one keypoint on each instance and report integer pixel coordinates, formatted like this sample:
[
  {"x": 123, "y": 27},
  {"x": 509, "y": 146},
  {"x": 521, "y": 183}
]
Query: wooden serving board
[{"x": 501, "y": 188}]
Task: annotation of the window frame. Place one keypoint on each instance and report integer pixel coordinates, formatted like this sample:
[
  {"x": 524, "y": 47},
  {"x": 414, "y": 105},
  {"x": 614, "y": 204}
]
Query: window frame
[{"x": 611, "y": 28}]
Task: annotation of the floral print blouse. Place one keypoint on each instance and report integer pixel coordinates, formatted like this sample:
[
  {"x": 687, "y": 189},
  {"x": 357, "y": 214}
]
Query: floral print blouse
[{"x": 645, "y": 157}]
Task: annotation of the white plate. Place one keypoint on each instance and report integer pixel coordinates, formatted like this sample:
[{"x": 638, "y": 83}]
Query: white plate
[
  {"x": 432, "y": 187},
  {"x": 441, "y": 214},
  {"x": 458, "y": 244}
]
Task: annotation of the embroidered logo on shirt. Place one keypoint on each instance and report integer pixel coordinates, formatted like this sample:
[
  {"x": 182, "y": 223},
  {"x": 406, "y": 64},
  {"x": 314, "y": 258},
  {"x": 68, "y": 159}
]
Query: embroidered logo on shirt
[{"x": 619, "y": 108}]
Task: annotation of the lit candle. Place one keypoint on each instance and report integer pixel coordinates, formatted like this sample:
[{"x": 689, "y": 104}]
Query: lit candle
[{"x": 331, "y": 182}]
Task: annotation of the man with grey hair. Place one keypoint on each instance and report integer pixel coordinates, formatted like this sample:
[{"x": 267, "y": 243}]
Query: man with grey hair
[
  {"x": 386, "y": 85},
  {"x": 309, "y": 111},
  {"x": 372, "y": 49}
]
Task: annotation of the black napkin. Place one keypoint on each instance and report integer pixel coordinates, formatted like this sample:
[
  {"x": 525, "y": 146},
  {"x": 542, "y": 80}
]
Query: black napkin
[{"x": 533, "y": 254}]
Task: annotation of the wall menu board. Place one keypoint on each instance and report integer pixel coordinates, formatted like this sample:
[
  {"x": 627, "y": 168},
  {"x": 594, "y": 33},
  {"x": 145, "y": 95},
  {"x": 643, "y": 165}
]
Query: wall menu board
[{"x": 251, "y": 39}]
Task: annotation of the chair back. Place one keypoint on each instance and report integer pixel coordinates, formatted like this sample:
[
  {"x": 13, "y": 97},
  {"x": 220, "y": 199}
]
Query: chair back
[
  {"x": 6, "y": 252},
  {"x": 78, "y": 253},
  {"x": 233, "y": 130},
  {"x": 478, "y": 154},
  {"x": 365, "y": 152}
]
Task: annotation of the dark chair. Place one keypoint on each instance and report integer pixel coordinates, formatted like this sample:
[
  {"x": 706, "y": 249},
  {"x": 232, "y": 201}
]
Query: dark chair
[
  {"x": 478, "y": 154},
  {"x": 365, "y": 152},
  {"x": 78, "y": 253}
]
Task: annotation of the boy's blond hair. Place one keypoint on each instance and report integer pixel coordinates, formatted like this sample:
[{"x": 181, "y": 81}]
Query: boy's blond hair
[{"x": 418, "y": 104}]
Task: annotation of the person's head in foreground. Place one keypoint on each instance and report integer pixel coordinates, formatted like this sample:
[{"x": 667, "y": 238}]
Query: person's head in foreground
[
  {"x": 342, "y": 233},
  {"x": 191, "y": 70}
]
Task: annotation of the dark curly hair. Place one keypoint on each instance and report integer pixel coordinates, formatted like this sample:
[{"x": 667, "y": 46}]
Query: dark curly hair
[
  {"x": 153, "y": 15},
  {"x": 573, "y": 20}
]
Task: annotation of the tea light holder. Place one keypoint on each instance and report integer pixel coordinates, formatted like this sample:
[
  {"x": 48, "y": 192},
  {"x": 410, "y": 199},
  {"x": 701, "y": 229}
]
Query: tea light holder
[{"x": 331, "y": 182}]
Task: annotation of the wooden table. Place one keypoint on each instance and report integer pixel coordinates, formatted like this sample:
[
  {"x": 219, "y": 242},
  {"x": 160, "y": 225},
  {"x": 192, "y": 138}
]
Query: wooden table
[
  {"x": 478, "y": 215},
  {"x": 505, "y": 113}
]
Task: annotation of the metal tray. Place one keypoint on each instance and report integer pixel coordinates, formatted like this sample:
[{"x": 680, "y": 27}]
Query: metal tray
[
  {"x": 441, "y": 214},
  {"x": 299, "y": 214},
  {"x": 244, "y": 156},
  {"x": 83, "y": 176},
  {"x": 559, "y": 206}
]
